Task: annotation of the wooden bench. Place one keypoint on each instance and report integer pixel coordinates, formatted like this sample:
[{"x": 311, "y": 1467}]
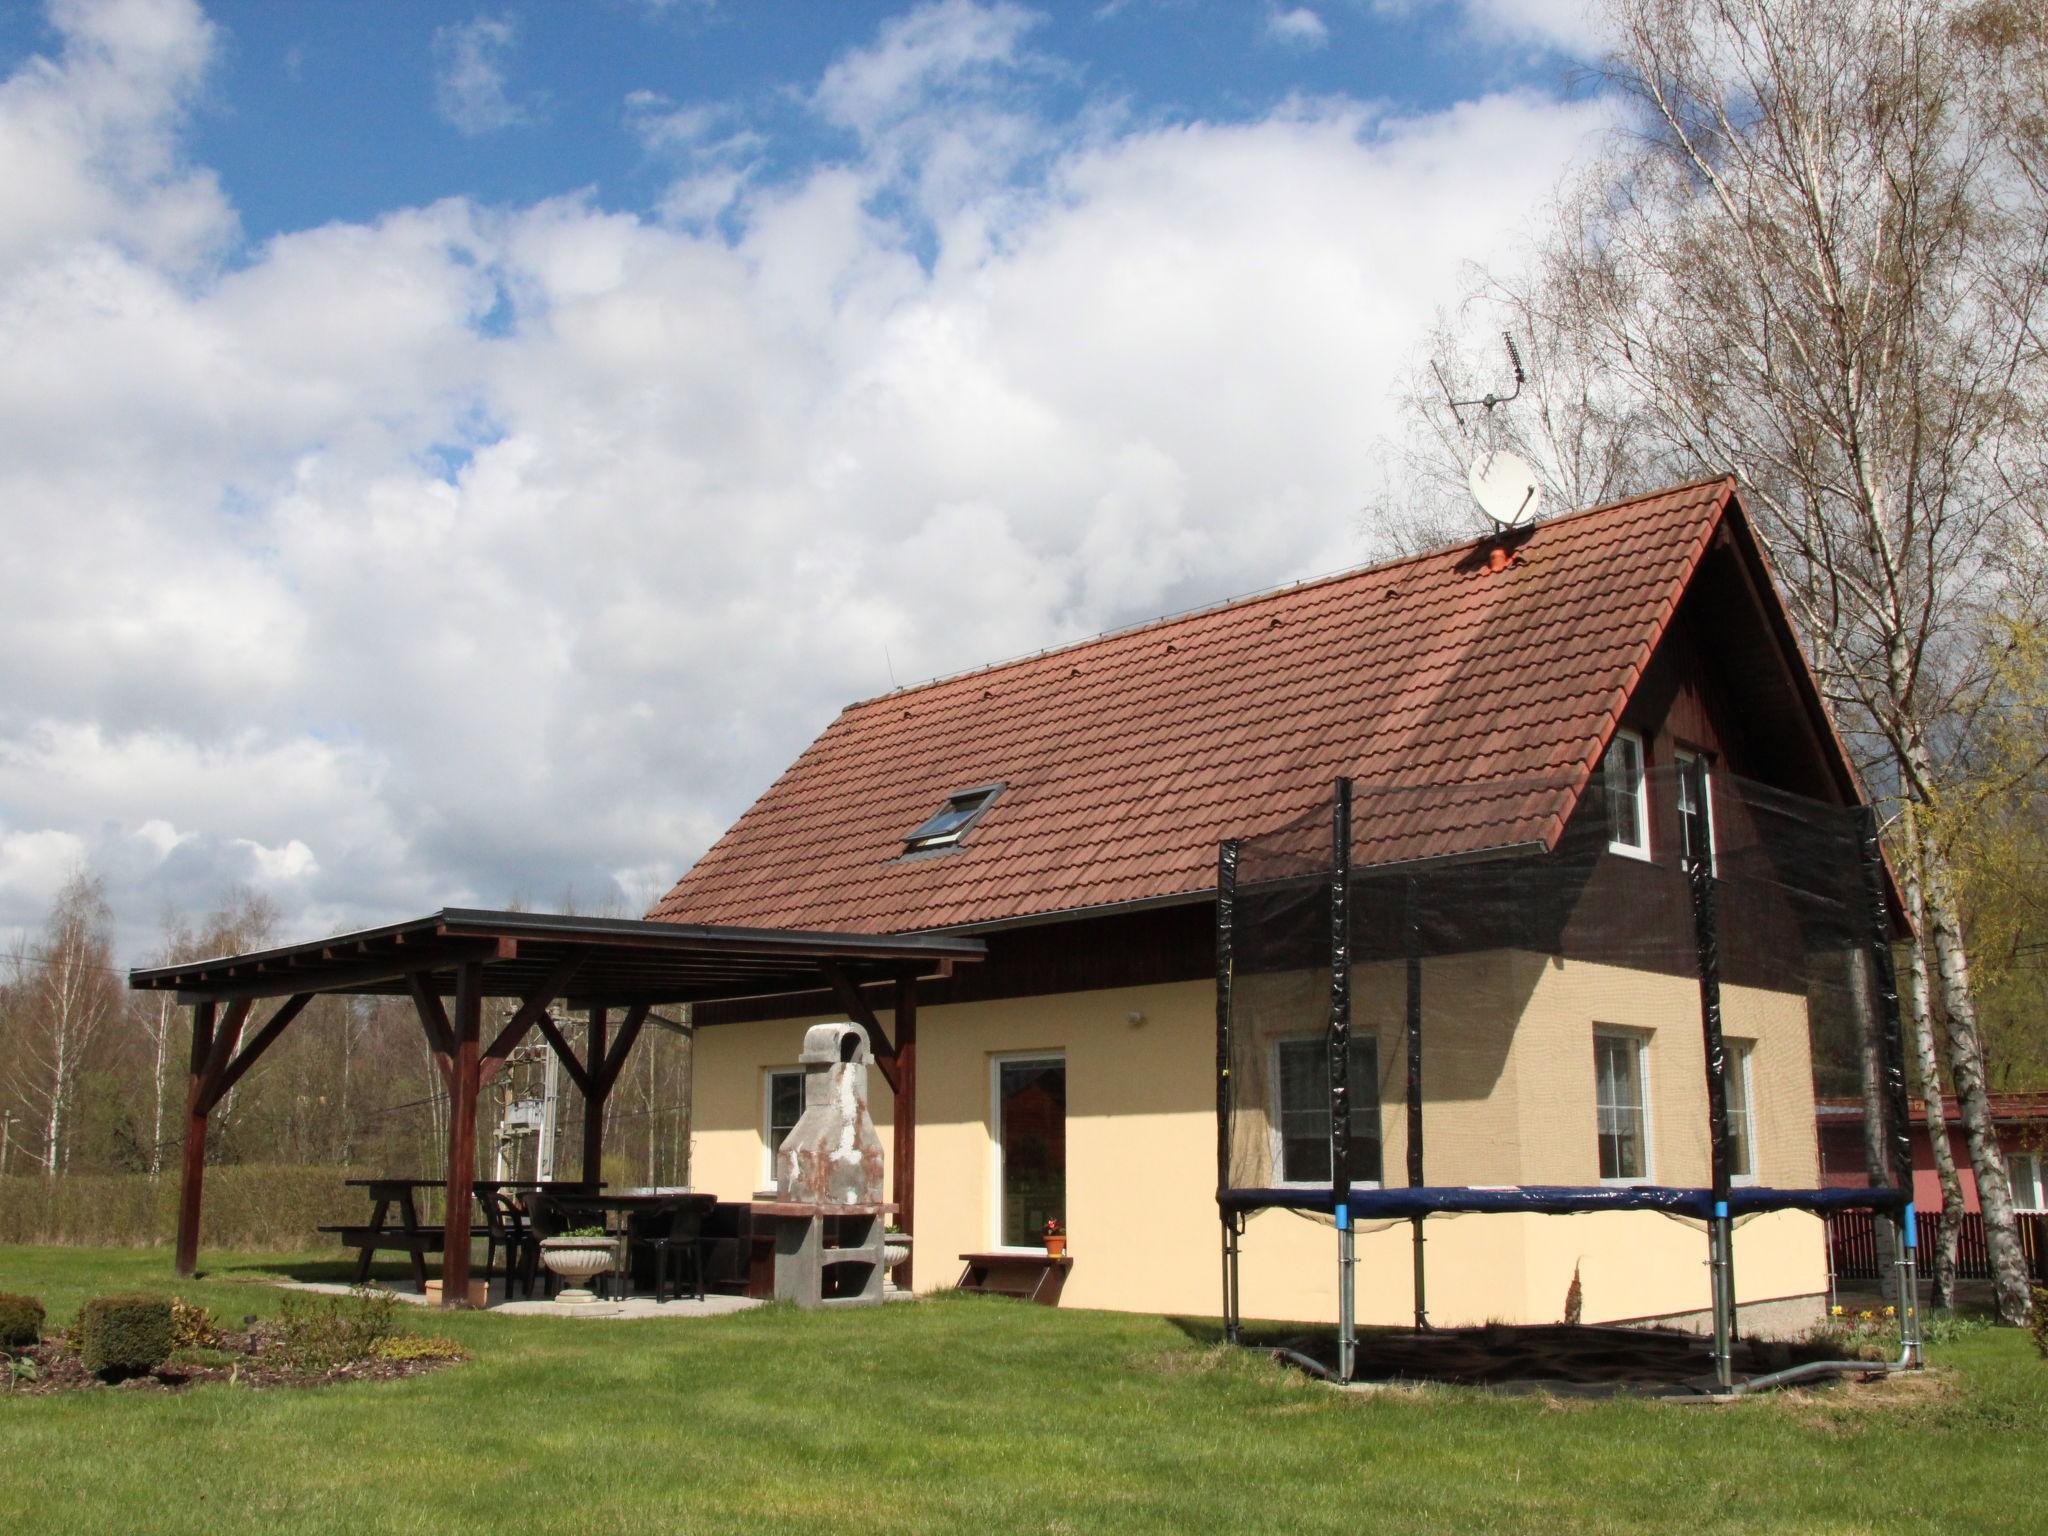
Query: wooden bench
[
  {"x": 369, "y": 1241},
  {"x": 1026, "y": 1276}
]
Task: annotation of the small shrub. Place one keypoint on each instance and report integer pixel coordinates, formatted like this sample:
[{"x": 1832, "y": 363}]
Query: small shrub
[
  {"x": 319, "y": 1334},
  {"x": 124, "y": 1335},
  {"x": 21, "y": 1322},
  {"x": 413, "y": 1346},
  {"x": 17, "y": 1370},
  {"x": 192, "y": 1326},
  {"x": 2040, "y": 1326}
]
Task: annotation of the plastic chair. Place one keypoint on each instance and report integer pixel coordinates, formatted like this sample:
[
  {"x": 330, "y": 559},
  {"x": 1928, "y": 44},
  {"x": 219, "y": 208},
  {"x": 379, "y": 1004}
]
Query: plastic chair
[{"x": 675, "y": 1235}]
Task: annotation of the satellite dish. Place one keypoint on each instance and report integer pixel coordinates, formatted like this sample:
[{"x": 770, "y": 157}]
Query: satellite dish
[{"x": 1505, "y": 487}]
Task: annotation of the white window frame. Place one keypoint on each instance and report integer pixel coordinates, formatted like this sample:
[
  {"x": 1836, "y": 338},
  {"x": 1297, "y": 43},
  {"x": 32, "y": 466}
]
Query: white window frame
[
  {"x": 1639, "y": 1040},
  {"x": 1273, "y": 1111},
  {"x": 1683, "y": 758},
  {"x": 768, "y": 1076},
  {"x": 2033, "y": 1196},
  {"x": 995, "y": 1144},
  {"x": 1640, "y": 849},
  {"x": 1741, "y": 1059}
]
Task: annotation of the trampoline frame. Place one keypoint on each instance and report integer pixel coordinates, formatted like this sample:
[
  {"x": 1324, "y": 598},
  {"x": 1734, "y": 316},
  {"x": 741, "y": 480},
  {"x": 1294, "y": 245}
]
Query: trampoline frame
[{"x": 1718, "y": 1204}]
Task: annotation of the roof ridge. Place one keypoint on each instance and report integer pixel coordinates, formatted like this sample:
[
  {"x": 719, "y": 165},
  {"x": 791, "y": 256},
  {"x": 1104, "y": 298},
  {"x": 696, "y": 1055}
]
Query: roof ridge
[{"x": 1265, "y": 594}]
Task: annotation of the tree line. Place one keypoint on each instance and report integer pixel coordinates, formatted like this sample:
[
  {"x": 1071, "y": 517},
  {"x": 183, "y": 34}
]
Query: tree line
[{"x": 95, "y": 1075}]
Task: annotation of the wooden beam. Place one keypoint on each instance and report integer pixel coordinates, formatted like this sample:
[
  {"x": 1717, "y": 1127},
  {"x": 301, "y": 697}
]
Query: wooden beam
[
  {"x": 857, "y": 1009},
  {"x": 462, "y": 1097},
  {"x": 389, "y": 966},
  {"x": 231, "y": 1074},
  {"x": 426, "y": 1002},
  {"x": 903, "y": 1116},
  {"x": 563, "y": 1053},
  {"x": 593, "y": 1099},
  {"x": 226, "y": 1035},
  {"x": 192, "y": 1172},
  {"x": 531, "y": 1008},
  {"x": 629, "y": 1031}
]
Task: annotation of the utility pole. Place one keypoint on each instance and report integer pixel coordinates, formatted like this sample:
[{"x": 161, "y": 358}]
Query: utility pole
[{"x": 544, "y": 1144}]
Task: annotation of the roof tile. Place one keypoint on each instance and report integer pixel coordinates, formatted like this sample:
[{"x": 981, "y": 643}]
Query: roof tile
[{"x": 1129, "y": 757}]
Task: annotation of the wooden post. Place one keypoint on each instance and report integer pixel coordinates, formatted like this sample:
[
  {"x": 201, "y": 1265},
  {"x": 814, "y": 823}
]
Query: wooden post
[
  {"x": 595, "y": 1092},
  {"x": 903, "y": 1120},
  {"x": 467, "y": 1030},
  {"x": 193, "y": 1172}
]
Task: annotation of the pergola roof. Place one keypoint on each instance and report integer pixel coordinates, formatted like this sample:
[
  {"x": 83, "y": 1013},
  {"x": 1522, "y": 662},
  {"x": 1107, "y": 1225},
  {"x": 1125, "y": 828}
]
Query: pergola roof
[{"x": 617, "y": 961}]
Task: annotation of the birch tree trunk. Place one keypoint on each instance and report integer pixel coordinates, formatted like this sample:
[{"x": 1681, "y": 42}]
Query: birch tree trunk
[{"x": 1920, "y": 1011}]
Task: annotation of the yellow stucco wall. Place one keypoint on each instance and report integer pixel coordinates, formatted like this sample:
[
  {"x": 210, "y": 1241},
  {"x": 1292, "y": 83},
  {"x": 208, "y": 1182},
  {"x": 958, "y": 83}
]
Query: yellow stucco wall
[{"x": 1503, "y": 1104}]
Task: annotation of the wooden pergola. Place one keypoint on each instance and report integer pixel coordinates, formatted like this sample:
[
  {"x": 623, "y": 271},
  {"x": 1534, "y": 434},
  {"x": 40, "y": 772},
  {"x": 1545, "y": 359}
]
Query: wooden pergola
[{"x": 450, "y": 961}]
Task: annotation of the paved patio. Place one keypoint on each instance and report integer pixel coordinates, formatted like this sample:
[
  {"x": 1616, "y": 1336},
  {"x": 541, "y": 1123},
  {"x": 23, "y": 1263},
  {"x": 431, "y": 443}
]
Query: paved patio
[{"x": 629, "y": 1307}]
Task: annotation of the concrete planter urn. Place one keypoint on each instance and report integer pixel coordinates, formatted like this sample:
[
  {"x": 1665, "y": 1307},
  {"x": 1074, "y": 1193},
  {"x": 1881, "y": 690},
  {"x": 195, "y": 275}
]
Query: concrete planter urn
[
  {"x": 895, "y": 1251},
  {"x": 578, "y": 1260}
]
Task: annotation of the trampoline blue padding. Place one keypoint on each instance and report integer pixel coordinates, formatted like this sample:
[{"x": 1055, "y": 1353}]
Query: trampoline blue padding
[{"x": 1561, "y": 1200}]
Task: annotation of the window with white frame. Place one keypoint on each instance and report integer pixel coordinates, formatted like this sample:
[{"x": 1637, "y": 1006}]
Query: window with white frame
[
  {"x": 1301, "y": 1110},
  {"x": 2029, "y": 1180},
  {"x": 782, "y": 1101},
  {"x": 1695, "y": 811},
  {"x": 1621, "y": 1107},
  {"x": 1741, "y": 1113},
  {"x": 1628, "y": 803}
]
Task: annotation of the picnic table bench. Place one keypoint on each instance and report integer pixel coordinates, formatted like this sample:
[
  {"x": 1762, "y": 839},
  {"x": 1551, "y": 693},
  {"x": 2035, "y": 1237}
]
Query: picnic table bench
[{"x": 381, "y": 1234}]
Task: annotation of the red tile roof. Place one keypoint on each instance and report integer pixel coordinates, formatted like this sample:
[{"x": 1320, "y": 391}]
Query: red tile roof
[{"x": 1127, "y": 758}]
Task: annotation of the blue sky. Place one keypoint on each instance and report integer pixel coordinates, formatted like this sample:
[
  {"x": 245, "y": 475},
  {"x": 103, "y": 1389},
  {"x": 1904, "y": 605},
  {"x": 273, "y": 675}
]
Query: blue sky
[
  {"x": 450, "y": 453},
  {"x": 321, "y": 111}
]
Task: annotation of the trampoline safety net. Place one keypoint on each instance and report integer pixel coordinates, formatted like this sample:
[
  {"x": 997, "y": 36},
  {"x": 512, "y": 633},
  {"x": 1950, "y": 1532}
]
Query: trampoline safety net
[{"x": 1643, "y": 1014}]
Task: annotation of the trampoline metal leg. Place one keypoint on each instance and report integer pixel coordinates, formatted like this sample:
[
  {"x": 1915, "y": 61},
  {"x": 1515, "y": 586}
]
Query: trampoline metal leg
[
  {"x": 1233, "y": 1312},
  {"x": 1347, "y": 1323},
  {"x": 1910, "y": 1343},
  {"x": 1421, "y": 1288},
  {"x": 1724, "y": 1302}
]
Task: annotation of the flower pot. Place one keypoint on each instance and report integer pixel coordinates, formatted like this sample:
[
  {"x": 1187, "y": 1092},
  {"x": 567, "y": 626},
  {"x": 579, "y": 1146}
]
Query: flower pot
[
  {"x": 578, "y": 1259},
  {"x": 1056, "y": 1245},
  {"x": 479, "y": 1293}
]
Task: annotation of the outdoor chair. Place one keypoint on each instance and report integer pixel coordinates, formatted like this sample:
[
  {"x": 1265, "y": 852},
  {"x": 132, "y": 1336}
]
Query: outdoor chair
[
  {"x": 672, "y": 1236},
  {"x": 508, "y": 1238}
]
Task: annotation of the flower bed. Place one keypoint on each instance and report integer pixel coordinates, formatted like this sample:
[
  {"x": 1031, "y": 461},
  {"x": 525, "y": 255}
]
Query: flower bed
[{"x": 309, "y": 1344}]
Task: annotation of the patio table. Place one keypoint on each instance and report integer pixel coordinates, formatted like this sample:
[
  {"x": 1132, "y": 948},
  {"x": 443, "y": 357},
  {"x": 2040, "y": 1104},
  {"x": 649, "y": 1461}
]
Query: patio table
[{"x": 629, "y": 1204}]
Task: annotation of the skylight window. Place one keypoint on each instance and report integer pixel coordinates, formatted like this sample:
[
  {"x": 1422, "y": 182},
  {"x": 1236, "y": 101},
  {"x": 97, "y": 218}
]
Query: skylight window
[{"x": 950, "y": 823}]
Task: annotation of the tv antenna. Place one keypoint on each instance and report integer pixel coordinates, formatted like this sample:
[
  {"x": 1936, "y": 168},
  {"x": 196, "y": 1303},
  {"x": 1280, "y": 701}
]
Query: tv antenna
[
  {"x": 1488, "y": 401},
  {"x": 1507, "y": 489}
]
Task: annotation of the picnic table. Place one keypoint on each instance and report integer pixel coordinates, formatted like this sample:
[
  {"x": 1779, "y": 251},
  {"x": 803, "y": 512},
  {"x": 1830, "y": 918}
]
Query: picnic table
[
  {"x": 381, "y": 1234},
  {"x": 406, "y": 1233}
]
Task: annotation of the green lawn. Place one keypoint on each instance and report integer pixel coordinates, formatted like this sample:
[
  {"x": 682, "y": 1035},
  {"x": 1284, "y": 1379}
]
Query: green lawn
[{"x": 972, "y": 1415}]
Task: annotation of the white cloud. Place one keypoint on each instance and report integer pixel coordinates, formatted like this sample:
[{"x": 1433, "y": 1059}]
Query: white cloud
[
  {"x": 1573, "y": 27},
  {"x": 470, "y": 62},
  {"x": 950, "y": 44},
  {"x": 320, "y": 582},
  {"x": 1297, "y": 26}
]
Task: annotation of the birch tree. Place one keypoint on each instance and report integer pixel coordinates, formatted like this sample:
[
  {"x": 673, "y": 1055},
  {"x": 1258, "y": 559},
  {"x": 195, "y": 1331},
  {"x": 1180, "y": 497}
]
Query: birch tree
[
  {"x": 1813, "y": 252},
  {"x": 66, "y": 989}
]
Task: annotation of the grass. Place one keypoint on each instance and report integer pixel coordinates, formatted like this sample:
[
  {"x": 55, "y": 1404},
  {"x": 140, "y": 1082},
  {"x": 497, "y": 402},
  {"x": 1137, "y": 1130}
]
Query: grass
[{"x": 972, "y": 1414}]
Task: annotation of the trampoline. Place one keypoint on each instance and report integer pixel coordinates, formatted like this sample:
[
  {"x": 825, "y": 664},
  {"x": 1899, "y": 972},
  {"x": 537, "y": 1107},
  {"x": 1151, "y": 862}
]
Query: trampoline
[{"x": 1394, "y": 975}]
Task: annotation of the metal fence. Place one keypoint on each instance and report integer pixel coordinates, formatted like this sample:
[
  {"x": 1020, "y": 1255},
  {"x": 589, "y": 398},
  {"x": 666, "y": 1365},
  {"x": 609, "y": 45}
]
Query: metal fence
[{"x": 1853, "y": 1245}]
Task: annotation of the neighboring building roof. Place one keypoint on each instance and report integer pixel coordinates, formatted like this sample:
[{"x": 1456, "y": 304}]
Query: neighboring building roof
[
  {"x": 1125, "y": 759},
  {"x": 2006, "y": 1109}
]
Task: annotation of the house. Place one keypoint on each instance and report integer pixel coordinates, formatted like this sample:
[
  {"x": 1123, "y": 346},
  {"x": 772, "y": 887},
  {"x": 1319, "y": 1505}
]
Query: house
[
  {"x": 2020, "y": 1119},
  {"x": 1067, "y": 808}
]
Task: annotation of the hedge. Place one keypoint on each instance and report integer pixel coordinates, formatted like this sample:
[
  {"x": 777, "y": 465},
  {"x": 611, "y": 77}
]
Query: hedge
[
  {"x": 124, "y": 1335},
  {"x": 21, "y": 1322},
  {"x": 247, "y": 1205}
]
